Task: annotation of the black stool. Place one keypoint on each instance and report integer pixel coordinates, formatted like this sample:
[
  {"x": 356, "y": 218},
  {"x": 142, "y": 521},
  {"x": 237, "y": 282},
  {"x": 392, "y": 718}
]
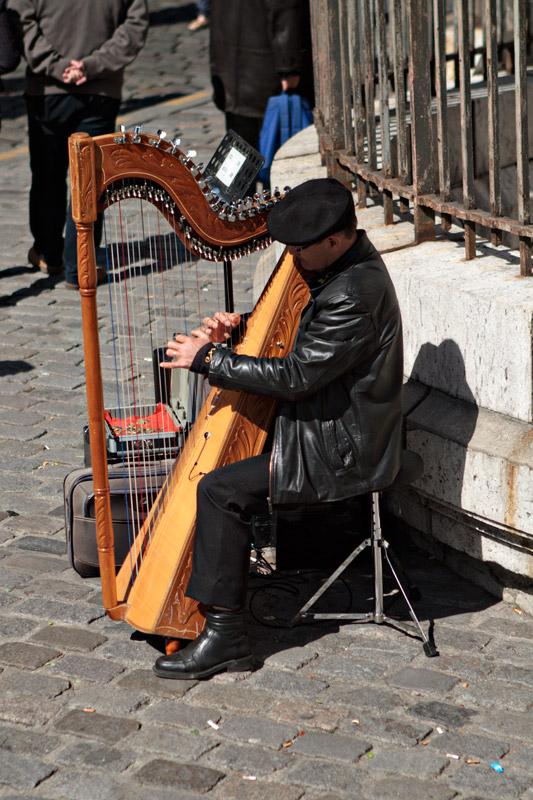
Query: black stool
[{"x": 411, "y": 469}]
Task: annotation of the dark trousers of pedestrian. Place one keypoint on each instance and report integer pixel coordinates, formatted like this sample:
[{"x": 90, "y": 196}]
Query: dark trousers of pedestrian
[
  {"x": 51, "y": 120},
  {"x": 228, "y": 498},
  {"x": 248, "y": 128}
]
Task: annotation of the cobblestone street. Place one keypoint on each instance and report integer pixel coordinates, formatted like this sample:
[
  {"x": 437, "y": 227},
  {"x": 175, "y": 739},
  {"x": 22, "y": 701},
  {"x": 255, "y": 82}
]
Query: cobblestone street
[{"x": 335, "y": 711}]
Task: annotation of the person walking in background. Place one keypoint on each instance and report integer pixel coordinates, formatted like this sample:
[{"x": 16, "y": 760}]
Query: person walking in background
[
  {"x": 258, "y": 48},
  {"x": 9, "y": 49},
  {"x": 76, "y": 53},
  {"x": 203, "y": 11}
]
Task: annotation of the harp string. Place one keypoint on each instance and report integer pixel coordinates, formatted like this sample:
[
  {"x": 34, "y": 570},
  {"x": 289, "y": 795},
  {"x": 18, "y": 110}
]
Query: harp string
[{"x": 152, "y": 278}]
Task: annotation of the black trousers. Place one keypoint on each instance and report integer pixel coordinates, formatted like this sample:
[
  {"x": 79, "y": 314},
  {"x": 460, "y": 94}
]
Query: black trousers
[
  {"x": 51, "y": 120},
  {"x": 228, "y": 498},
  {"x": 247, "y": 127}
]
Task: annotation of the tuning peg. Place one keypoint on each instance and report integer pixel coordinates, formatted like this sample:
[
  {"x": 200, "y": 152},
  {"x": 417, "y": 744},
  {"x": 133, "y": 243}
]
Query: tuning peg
[
  {"x": 175, "y": 144},
  {"x": 191, "y": 153},
  {"x": 122, "y": 138},
  {"x": 137, "y": 134},
  {"x": 286, "y": 189},
  {"x": 162, "y": 137}
]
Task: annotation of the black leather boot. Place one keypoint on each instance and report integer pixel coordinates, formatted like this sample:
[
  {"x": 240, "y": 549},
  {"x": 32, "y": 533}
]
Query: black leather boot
[{"x": 222, "y": 646}]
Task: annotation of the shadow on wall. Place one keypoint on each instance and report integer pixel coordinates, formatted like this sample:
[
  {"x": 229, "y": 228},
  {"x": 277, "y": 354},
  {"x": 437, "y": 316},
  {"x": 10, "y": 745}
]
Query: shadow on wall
[{"x": 439, "y": 425}]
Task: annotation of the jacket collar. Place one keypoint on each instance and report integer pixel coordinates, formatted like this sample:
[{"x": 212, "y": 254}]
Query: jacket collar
[{"x": 356, "y": 253}]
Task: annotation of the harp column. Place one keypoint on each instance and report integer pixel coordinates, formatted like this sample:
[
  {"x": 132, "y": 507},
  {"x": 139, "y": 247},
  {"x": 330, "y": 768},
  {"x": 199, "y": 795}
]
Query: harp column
[{"x": 84, "y": 212}]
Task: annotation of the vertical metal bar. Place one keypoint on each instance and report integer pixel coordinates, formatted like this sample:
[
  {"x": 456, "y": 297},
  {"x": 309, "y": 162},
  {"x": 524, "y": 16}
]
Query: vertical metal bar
[
  {"x": 368, "y": 40},
  {"x": 228, "y": 286},
  {"x": 493, "y": 116},
  {"x": 522, "y": 157},
  {"x": 384, "y": 107},
  {"x": 335, "y": 120},
  {"x": 421, "y": 123},
  {"x": 345, "y": 76},
  {"x": 383, "y": 88},
  {"x": 467, "y": 147},
  {"x": 399, "y": 86},
  {"x": 314, "y": 10},
  {"x": 357, "y": 91},
  {"x": 439, "y": 13}
]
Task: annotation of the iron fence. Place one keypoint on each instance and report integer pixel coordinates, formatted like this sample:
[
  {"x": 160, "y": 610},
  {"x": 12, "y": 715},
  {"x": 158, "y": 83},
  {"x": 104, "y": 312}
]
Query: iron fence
[{"x": 426, "y": 101}]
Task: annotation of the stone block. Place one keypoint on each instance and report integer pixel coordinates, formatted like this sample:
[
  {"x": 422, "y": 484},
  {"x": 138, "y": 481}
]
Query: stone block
[
  {"x": 481, "y": 779},
  {"x": 100, "y": 756},
  {"x": 20, "y": 772},
  {"x": 409, "y": 763},
  {"x": 288, "y": 683},
  {"x": 181, "y": 715},
  {"x": 26, "y": 656},
  {"x": 189, "y": 777},
  {"x": 292, "y": 658},
  {"x": 247, "y": 759},
  {"x": 35, "y": 685},
  {"x": 144, "y": 680},
  {"x": 307, "y": 714},
  {"x": 96, "y": 726},
  {"x": 12, "y": 579},
  {"x": 511, "y": 724},
  {"x": 386, "y": 728},
  {"x": 469, "y": 745},
  {"x": 422, "y": 680},
  {"x": 27, "y": 742},
  {"x": 82, "y": 785},
  {"x": 244, "y": 789},
  {"x": 444, "y": 714},
  {"x": 107, "y": 699},
  {"x": 58, "y": 590},
  {"x": 77, "y": 613},
  {"x": 367, "y": 698},
  {"x": 168, "y": 742},
  {"x": 131, "y": 652},
  {"x": 15, "y": 626},
  {"x": 23, "y": 710},
  {"x": 97, "y": 670},
  {"x": 230, "y": 697},
  {"x": 67, "y": 638},
  {"x": 494, "y": 694},
  {"x": 317, "y": 774},
  {"x": 454, "y": 310},
  {"x": 399, "y": 788},
  {"x": 42, "y": 544},
  {"x": 348, "y": 667},
  {"x": 331, "y": 745},
  {"x": 258, "y": 731}
]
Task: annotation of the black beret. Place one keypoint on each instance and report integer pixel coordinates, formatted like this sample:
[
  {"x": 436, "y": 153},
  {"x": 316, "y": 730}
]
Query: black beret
[{"x": 310, "y": 212}]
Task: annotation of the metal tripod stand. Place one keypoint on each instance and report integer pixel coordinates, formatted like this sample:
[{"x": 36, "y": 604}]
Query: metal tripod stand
[{"x": 380, "y": 548}]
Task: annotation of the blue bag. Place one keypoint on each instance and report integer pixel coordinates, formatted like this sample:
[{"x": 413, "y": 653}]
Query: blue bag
[{"x": 285, "y": 115}]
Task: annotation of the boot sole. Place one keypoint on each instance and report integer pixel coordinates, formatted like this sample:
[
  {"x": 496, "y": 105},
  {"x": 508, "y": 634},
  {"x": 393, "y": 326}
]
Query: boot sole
[{"x": 235, "y": 665}]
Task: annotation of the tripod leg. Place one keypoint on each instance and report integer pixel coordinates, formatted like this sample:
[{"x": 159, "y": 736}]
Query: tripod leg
[
  {"x": 412, "y": 590},
  {"x": 377, "y": 543},
  {"x": 429, "y": 648}
]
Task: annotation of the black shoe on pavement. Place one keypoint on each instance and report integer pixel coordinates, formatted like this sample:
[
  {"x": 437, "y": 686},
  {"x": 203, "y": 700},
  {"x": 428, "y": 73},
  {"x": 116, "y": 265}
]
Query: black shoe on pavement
[{"x": 221, "y": 647}]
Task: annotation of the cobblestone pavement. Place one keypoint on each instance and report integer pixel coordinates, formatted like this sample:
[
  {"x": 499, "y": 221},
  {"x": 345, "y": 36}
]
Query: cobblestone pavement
[{"x": 335, "y": 711}]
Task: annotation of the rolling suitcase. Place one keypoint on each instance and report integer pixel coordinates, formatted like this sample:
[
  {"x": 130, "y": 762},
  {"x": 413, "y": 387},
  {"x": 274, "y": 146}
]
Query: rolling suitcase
[{"x": 130, "y": 494}]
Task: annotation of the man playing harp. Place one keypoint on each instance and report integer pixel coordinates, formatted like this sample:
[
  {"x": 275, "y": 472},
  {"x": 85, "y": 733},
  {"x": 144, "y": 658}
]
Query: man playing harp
[{"x": 337, "y": 431}]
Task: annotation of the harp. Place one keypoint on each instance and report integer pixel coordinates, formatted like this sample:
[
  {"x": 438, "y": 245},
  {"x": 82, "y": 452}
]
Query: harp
[{"x": 148, "y": 254}]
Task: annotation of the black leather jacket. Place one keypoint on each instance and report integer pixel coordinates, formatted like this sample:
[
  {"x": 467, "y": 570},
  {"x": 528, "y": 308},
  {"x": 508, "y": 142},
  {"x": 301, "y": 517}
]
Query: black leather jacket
[{"x": 338, "y": 429}]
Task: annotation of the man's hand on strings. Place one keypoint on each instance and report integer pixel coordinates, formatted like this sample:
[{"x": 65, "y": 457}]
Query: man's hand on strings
[
  {"x": 219, "y": 326},
  {"x": 182, "y": 349}
]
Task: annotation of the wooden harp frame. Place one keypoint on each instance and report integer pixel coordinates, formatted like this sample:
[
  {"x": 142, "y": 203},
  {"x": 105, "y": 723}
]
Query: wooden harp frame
[{"x": 232, "y": 425}]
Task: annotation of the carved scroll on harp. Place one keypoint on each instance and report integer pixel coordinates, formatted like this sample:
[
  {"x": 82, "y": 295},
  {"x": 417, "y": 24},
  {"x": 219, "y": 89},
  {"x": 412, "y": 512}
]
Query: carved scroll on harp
[{"x": 124, "y": 173}]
